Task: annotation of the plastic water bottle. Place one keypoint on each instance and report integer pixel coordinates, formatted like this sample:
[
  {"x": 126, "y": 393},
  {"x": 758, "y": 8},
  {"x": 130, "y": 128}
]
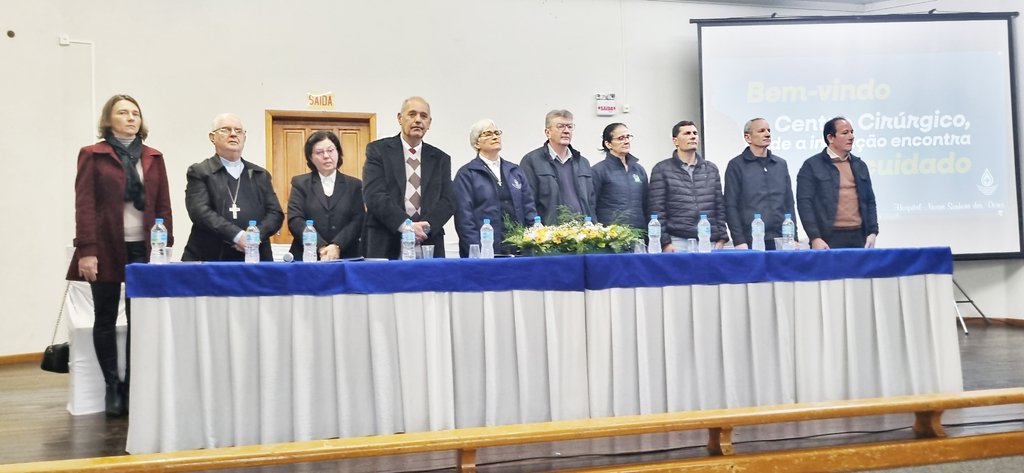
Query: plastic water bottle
[
  {"x": 537, "y": 223},
  {"x": 788, "y": 228},
  {"x": 654, "y": 235},
  {"x": 487, "y": 240},
  {"x": 788, "y": 234},
  {"x": 252, "y": 243},
  {"x": 158, "y": 241},
  {"x": 309, "y": 243},
  {"x": 704, "y": 234},
  {"x": 408, "y": 241},
  {"x": 788, "y": 231},
  {"x": 587, "y": 222},
  {"x": 757, "y": 233}
]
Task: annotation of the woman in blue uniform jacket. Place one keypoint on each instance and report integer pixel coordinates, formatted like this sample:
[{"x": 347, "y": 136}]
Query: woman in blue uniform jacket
[
  {"x": 490, "y": 187},
  {"x": 620, "y": 182}
]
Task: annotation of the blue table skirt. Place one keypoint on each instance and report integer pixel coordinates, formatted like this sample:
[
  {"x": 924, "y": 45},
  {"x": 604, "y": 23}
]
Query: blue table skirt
[{"x": 554, "y": 273}]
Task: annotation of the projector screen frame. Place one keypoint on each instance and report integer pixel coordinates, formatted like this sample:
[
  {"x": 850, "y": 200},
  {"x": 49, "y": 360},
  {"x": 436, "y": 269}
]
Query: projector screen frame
[{"x": 896, "y": 18}]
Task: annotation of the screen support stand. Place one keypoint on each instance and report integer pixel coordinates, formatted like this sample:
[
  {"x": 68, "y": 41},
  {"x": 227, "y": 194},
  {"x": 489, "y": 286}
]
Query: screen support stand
[{"x": 967, "y": 299}]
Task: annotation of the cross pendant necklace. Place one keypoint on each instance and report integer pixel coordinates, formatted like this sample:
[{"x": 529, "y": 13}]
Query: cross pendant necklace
[{"x": 234, "y": 198}]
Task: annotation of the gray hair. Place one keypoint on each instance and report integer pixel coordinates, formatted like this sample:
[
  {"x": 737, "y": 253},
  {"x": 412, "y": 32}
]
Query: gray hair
[
  {"x": 406, "y": 102},
  {"x": 477, "y": 128},
  {"x": 221, "y": 117},
  {"x": 554, "y": 114},
  {"x": 749, "y": 127}
]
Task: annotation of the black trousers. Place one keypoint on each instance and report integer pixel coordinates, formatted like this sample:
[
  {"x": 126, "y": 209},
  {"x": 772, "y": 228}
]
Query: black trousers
[
  {"x": 847, "y": 238},
  {"x": 106, "y": 296}
]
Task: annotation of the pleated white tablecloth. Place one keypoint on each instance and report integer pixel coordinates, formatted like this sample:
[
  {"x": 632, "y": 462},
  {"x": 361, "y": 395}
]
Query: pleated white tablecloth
[{"x": 214, "y": 371}]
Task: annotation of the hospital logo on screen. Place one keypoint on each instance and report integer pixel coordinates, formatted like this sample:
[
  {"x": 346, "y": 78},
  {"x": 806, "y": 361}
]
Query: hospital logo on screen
[{"x": 988, "y": 183}]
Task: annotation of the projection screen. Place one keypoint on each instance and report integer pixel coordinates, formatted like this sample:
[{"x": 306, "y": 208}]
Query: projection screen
[{"x": 930, "y": 97}]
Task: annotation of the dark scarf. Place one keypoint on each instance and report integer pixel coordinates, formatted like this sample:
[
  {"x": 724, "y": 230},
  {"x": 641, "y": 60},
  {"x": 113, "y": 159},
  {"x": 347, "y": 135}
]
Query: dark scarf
[{"x": 133, "y": 191}]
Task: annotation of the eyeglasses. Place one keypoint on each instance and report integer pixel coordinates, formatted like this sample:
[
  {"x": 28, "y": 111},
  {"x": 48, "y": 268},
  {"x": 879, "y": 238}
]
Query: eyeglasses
[
  {"x": 321, "y": 152},
  {"x": 489, "y": 133},
  {"x": 623, "y": 138},
  {"x": 226, "y": 130},
  {"x": 565, "y": 126}
]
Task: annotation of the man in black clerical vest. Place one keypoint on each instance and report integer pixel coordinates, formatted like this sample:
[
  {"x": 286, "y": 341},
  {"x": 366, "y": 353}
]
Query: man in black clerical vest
[{"x": 223, "y": 194}]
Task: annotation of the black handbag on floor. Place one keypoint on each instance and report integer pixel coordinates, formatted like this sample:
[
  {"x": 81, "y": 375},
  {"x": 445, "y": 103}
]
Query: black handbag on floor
[{"x": 55, "y": 357}]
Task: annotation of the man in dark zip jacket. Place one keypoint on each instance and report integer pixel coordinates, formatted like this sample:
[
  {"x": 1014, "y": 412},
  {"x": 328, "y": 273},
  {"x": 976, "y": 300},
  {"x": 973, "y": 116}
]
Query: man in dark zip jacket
[
  {"x": 757, "y": 182},
  {"x": 557, "y": 173},
  {"x": 834, "y": 194},
  {"x": 683, "y": 188}
]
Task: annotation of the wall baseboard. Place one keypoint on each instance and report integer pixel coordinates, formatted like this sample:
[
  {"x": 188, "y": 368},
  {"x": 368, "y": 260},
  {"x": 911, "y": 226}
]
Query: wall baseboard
[
  {"x": 1003, "y": 321},
  {"x": 21, "y": 358}
]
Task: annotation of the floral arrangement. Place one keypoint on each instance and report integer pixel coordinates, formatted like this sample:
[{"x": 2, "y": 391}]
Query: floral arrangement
[{"x": 572, "y": 236}]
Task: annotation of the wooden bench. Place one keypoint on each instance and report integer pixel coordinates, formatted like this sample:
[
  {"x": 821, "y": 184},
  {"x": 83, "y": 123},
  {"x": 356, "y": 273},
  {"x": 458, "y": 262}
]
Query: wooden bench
[{"x": 927, "y": 410}]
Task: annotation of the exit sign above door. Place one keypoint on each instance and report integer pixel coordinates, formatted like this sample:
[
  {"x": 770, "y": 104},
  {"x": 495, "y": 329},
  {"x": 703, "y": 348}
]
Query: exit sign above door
[{"x": 320, "y": 100}]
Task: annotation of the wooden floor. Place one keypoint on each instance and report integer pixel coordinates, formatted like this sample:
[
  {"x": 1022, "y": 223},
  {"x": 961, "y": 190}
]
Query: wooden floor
[{"x": 35, "y": 424}]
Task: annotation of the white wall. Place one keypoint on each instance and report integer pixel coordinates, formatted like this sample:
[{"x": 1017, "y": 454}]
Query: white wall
[{"x": 187, "y": 61}]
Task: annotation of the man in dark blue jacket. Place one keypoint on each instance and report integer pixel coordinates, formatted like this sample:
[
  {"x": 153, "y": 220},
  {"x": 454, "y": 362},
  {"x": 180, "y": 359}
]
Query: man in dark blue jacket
[
  {"x": 757, "y": 182},
  {"x": 557, "y": 173},
  {"x": 682, "y": 188},
  {"x": 834, "y": 194}
]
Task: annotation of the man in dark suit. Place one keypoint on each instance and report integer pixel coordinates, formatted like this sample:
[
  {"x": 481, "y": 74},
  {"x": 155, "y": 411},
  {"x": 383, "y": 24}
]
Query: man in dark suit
[
  {"x": 405, "y": 178},
  {"x": 223, "y": 193}
]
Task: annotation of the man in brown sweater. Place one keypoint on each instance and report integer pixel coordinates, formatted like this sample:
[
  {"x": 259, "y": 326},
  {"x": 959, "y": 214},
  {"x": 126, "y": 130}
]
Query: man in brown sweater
[{"x": 834, "y": 195}]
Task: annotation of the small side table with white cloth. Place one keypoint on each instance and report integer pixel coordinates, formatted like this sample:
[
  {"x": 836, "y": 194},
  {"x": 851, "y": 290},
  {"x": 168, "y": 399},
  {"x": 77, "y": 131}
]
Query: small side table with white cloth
[{"x": 86, "y": 389}]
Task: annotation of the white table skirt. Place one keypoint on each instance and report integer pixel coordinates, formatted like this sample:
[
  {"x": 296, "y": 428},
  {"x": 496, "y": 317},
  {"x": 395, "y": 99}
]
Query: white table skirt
[
  {"x": 226, "y": 371},
  {"x": 86, "y": 388}
]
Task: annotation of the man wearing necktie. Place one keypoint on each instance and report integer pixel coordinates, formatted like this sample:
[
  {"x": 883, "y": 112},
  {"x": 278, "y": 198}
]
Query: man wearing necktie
[{"x": 405, "y": 178}]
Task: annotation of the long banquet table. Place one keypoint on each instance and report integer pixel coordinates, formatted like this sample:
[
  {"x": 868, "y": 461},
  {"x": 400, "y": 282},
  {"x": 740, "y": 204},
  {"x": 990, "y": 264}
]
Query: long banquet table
[{"x": 231, "y": 354}]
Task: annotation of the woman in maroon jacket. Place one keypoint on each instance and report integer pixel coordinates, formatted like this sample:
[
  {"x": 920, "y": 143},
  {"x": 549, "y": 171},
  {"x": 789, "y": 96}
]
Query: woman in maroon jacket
[{"x": 120, "y": 190}]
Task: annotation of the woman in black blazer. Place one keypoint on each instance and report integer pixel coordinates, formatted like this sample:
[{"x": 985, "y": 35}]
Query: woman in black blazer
[{"x": 332, "y": 200}]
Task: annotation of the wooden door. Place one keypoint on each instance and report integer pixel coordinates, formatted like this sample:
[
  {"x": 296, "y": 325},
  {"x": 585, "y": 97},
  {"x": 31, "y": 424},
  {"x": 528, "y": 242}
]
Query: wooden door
[{"x": 286, "y": 141}]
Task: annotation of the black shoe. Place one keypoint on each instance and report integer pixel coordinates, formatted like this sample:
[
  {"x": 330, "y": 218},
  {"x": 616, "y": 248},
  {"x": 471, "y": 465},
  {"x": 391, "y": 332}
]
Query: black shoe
[{"x": 114, "y": 400}]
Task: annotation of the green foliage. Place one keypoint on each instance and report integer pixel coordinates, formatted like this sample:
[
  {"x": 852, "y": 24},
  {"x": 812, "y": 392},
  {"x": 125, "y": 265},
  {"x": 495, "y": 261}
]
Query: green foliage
[{"x": 571, "y": 236}]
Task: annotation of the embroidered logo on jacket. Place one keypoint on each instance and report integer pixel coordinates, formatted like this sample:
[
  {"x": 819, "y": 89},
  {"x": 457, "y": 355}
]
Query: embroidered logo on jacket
[{"x": 517, "y": 184}]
